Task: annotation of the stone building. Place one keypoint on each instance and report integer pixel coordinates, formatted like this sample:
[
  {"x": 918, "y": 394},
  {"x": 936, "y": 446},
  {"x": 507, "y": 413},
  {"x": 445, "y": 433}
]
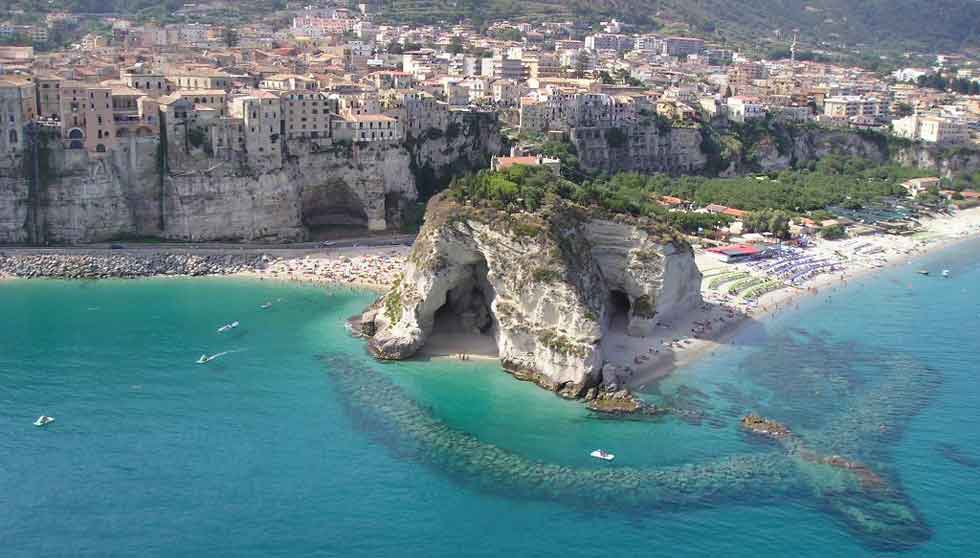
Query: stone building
[
  {"x": 16, "y": 98},
  {"x": 261, "y": 112},
  {"x": 87, "y": 120},
  {"x": 367, "y": 128}
]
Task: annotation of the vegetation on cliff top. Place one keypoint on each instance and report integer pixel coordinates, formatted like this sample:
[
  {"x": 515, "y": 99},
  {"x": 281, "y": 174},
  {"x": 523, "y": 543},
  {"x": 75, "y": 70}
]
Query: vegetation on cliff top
[{"x": 832, "y": 181}]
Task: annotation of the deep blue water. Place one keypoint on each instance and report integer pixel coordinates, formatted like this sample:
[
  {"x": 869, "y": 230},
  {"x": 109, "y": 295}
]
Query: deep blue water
[{"x": 298, "y": 444}]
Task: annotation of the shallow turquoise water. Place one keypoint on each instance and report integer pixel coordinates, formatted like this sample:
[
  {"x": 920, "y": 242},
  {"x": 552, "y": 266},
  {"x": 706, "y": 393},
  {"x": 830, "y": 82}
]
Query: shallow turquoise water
[{"x": 261, "y": 453}]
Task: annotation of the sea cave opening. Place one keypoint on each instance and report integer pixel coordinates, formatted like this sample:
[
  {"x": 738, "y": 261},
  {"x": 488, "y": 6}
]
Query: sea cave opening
[
  {"x": 619, "y": 311},
  {"x": 333, "y": 211},
  {"x": 465, "y": 324}
]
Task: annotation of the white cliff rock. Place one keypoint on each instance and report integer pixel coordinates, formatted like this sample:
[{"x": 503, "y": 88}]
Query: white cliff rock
[{"x": 546, "y": 286}]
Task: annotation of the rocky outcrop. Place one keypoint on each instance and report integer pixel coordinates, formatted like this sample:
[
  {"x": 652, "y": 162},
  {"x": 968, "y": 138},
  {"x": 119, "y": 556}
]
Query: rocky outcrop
[
  {"x": 466, "y": 145},
  {"x": 130, "y": 192},
  {"x": 639, "y": 148},
  {"x": 547, "y": 286}
]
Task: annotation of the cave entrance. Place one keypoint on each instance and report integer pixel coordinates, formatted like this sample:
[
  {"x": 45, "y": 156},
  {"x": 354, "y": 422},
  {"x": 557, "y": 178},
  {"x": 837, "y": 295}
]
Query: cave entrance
[
  {"x": 393, "y": 210},
  {"x": 464, "y": 324},
  {"x": 333, "y": 210},
  {"x": 619, "y": 311}
]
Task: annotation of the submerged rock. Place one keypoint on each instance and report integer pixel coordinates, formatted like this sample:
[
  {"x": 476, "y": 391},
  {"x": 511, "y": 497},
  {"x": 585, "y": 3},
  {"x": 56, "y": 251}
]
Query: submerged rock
[
  {"x": 765, "y": 427},
  {"x": 547, "y": 286}
]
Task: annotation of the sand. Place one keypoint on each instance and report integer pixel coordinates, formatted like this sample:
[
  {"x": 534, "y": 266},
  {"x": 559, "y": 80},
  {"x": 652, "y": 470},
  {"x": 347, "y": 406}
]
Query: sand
[
  {"x": 728, "y": 315},
  {"x": 677, "y": 342},
  {"x": 373, "y": 268}
]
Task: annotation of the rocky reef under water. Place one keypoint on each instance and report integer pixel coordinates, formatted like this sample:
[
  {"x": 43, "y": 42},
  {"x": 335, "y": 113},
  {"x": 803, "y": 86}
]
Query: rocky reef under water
[{"x": 840, "y": 467}]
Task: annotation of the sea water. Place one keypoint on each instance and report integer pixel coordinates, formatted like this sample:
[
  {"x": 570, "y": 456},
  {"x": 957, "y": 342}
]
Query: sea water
[{"x": 296, "y": 443}]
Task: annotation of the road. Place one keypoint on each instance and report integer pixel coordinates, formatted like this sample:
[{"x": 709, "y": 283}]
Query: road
[{"x": 288, "y": 249}]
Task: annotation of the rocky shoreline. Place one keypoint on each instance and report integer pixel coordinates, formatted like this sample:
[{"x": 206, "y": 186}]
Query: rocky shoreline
[{"x": 126, "y": 265}]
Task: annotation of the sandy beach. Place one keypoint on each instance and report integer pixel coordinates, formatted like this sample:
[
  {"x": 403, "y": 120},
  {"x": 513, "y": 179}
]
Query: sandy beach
[
  {"x": 373, "y": 268},
  {"x": 723, "y": 314},
  {"x": 677, "y": 342}
]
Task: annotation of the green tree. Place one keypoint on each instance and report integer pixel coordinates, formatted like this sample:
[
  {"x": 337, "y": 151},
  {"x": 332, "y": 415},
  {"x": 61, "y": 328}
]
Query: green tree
[
  {"x": 229, "y": 36},
  {"x": 455, "y": 45}
]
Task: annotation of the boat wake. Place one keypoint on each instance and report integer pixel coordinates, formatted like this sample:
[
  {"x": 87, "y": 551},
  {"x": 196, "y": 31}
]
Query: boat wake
[{"x": 206, "y": 359}]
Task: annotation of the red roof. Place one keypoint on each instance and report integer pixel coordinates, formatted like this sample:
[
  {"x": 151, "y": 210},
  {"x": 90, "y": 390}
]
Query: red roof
[
  {"x": 735, "y": 250},
  {"x": 505, "y": 162},
  {"x": 735, "y": 212},
  {"x": 671, "y": 200}
]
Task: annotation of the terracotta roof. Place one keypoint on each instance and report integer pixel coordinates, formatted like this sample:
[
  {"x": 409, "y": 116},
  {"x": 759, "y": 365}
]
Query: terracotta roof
[{"x": 505, "y": 162}]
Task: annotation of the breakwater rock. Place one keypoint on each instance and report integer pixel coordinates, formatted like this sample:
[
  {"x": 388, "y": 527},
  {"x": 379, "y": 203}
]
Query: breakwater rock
[{"x": 94, "y": 266}]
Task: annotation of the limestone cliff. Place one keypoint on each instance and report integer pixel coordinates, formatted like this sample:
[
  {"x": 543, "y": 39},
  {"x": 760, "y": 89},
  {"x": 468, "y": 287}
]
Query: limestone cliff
[
  {"x": 466, "y": 145},
  {"x": 639, "y": 148},
  {"x": 547, "y": 286},
  {"x": 139, "y": 189}
]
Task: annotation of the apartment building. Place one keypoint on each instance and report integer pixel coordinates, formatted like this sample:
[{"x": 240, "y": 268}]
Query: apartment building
[
  {"x": 503, "y": 67},
  {"x": 16, "y": 102},
  {"x": 288, "y": 82},
  {"x": 743, "y": 109},
  {"x": 681, "y": 46},
  {"x": 932, "y": 129},
  {"x": 609, "y": 41},
  {"x": 203, "y": 78},
  {"x": 845, "y": 107},
  {"x": 367, "y": 128},
  {"x": 306, "y": 114},
  {"x": 260, "y": 112},
  {"x": 87, "y": 120}
]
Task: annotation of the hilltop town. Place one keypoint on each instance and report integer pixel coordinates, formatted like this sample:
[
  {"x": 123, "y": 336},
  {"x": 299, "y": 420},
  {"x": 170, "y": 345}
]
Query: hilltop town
[{"x": 327, "y": 116}]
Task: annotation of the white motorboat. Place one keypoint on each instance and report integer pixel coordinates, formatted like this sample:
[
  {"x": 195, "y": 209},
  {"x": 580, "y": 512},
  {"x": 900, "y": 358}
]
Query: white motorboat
[
  {"x": 604, "y": 455},
  {"x": 945, "y": 273},
  {"x": 228, "y": 327},
  {"x": 266, "y": 306},
  {"x": 203, "y": 359},
  {"x": 43, "y": 420}
]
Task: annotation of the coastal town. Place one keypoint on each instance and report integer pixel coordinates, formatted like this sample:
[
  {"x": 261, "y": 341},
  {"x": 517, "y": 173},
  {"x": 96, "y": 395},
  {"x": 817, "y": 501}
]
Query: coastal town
[
  {"x": 571, "y": 99},
  {"x": 444, "y": 277},
  {"x": 329, "y": 74}
]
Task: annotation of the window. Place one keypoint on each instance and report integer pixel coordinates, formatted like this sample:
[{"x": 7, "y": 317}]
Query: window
[{"x": 13, "y": 136}]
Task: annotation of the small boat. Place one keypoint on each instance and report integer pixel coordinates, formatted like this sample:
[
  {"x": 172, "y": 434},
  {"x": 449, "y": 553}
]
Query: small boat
[
  {"x": 203, "y": 359},
  {"x": 945, "y": 273},
  {"x": 266, "y": 306},
  {"x": 604, "y": 455},
  {"x": 923, "y": 272},
  {"x": 227, "y": 327},
  {"x": 43, "y": 420}
]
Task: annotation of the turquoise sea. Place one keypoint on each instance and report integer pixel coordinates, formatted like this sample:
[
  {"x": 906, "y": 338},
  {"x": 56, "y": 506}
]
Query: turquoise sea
[{"x": 296, "y": 443}]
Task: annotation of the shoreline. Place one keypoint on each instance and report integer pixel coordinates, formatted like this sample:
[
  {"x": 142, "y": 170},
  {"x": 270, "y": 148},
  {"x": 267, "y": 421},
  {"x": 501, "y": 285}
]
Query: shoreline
[
  {"x": 720, "y": 319},
  {"x": 940, "y": 233},
  {"x": 371, "y": 268}
]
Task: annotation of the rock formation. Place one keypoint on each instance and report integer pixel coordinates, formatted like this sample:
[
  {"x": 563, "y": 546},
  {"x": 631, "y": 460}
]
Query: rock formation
[
  {"x": 547, "y": 286},
  {"x": 130, "y": 192}
]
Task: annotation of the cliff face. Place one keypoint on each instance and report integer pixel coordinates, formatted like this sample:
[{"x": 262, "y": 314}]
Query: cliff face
[
  {"x": 640, "y": 148},
  {"x": 467, "y": 144},
  {"x": 772, "y": 154},
  {"x": 81, "y": 198},
  {"x": 547, "y": 287}
]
